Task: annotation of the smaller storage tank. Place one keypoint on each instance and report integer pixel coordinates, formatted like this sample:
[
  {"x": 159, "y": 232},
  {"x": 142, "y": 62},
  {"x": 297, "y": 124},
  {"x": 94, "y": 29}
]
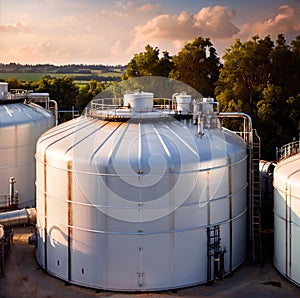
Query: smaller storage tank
[
  {"x": 3, "y": 90},
  {"x": 21, "y": 124},
  {"x": 139, "y": 101},
  {"x": 287, "y": 213},
  {"x": 183, "y": 102}
]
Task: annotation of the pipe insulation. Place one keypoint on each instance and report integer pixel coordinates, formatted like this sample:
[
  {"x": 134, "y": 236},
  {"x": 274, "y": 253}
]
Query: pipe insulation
[{"x": 18, "y": 217}]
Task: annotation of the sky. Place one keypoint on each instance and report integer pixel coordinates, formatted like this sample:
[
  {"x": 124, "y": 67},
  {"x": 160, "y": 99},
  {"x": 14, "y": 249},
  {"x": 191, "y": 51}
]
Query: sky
[{"x": 110, "y": 32}]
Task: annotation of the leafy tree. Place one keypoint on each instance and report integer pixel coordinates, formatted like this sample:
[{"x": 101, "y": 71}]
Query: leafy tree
[
  {"x": 281, "y": 60},
  {"x": 269, "y": 119},
  {"x": 165, "y": 64},
  {"x": 246, "y": 72},
  {"x": 13, "y": 83},
  {"x": 295, "y": 65},
  {"x": 262, "y": 79},
  {"x": 44, "y": 84},
  {"x": 293, "y": 108},
  {"x": 86, "y": 93},
  {"x": 148, "y": 63},
  {"x": 61, "y": 89},
  {"x": 197, "y": 65}
]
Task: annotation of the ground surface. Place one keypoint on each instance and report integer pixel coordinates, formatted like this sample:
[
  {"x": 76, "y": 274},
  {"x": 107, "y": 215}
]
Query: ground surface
[{"x": 23, "y": 278}]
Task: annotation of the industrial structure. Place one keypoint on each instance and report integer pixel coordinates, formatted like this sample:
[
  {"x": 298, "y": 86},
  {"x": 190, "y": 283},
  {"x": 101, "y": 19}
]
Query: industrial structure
[
  {"x": 287, "y": 212},
  {"x": 21, "y": 124},
  {"x": 22, "y": 121},
  {"x": 142, "y": 193},
  {"x": 137, "y": 197}
]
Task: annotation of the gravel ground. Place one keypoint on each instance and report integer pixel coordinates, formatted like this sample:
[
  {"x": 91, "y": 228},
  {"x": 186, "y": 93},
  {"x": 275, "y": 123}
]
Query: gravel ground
[{"x": 23, "y": 278}]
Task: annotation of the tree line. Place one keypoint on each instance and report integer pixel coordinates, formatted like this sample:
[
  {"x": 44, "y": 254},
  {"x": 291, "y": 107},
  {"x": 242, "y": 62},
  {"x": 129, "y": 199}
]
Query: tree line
[
  {"x": 259, "y": 77},
  {"x": 50, "y": 68},
  {"x": 63, "y": 89}
]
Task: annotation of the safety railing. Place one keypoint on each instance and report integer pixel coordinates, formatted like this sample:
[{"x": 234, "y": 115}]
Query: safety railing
[
  {"x": 9, "y": 203},
  {"x": 16, "y": 94},
  {"x": 2, "y": 250},
  {"x": 288, "y": 150},
  {"x": 115, "y": 108}
]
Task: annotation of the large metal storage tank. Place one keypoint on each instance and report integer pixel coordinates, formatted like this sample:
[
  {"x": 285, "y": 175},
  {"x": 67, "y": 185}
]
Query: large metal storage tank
[
  {"x": 133, "y": 199},
  {"x": 287, "y": 212},
  {"x": 21, "y": 124}
]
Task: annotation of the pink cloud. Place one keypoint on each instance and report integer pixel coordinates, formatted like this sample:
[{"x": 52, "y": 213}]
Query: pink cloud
[
  {"x": 145, "y": 8},
  {"x": 101, "y": 14},
  {"x": 124, "y": 4},
  {"x": 18, "y": 27},
  {"x": 286, "y": 21},
  {"x": 209, "y": 21},
  {"x": 170, "y": 32},
  {"x": 216, "y": 22}
]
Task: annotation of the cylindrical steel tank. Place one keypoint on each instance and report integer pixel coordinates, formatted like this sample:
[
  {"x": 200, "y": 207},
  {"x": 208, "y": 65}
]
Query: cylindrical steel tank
[
  {"x": 141, "y": 204},
  {"x": 21, "y": 124},
  {"x": 266, "y": 169},
  {"x": 287, "y": 217},
  {"x": 3, "y": 90}
]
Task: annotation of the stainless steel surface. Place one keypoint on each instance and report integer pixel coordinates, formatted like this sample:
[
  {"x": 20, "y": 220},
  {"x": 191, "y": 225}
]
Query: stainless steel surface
[
  {"x": 125, "y": 204},
  {"x": 18, "y": 217},
  {"x": 20, "y": 126},
  {"x": 287, "y": 217}
]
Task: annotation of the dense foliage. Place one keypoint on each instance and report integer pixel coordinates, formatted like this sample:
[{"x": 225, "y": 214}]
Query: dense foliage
[
  {"x": 64, "y": 90},
  {"x": 263, "y": 79},
  {"x": 149, "y": 64},
  {"x": 197, "y": 65}
]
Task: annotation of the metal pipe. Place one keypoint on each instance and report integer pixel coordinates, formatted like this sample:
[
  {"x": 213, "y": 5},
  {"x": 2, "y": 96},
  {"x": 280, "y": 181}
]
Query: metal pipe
[
  {"x": 200, "y": 130},
  {"x": 11, "y": 198},
  {"x": 173, "y": 98},
  {"x": 248, "y": 138},
  {"x": 238, "y": 115},
  {"x": 18, "y": 217},
  {"x": 55, "y": 110},
  {"x": 2, "y": 249}
]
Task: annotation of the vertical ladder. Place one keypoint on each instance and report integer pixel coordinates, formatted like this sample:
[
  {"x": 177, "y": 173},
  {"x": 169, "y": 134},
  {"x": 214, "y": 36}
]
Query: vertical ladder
[
  {"x": 255, "y": 197},
  {"x": 213, "y": 251}
]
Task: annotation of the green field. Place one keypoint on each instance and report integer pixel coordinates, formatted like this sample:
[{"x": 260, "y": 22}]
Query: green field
[
  {"x": 22, "y": 76},
  {"x": 31, "y": 76}
]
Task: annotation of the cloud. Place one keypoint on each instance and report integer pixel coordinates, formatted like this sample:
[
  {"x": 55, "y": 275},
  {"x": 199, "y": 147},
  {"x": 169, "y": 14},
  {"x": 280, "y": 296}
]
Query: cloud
[
  {"x": 124, "y": 4},
  {"x": 170, "y": 32},
  {"x": 215, "y": 22},
  {"x": 116, "y": 48},
  {"x": 145, "y": 8},
  {"x": 100, "y": 15},
  {"x": 212, "y": 22},
  {"x": 42, "y": 48},
  {"x": 67, "y": 23},
  {"x": 286, "y": 21},
  {"x": 124, "y": 9},
  {"x": 18, "y": 27},
  {"x": 121, "y": 14}
]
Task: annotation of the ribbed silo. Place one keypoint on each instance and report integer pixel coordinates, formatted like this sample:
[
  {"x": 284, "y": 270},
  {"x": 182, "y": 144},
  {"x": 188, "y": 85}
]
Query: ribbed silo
[
  {"x": 287, "y": 212},
  {"x": 21, "y": 124},
  {"x": 129, "y": 198}
]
